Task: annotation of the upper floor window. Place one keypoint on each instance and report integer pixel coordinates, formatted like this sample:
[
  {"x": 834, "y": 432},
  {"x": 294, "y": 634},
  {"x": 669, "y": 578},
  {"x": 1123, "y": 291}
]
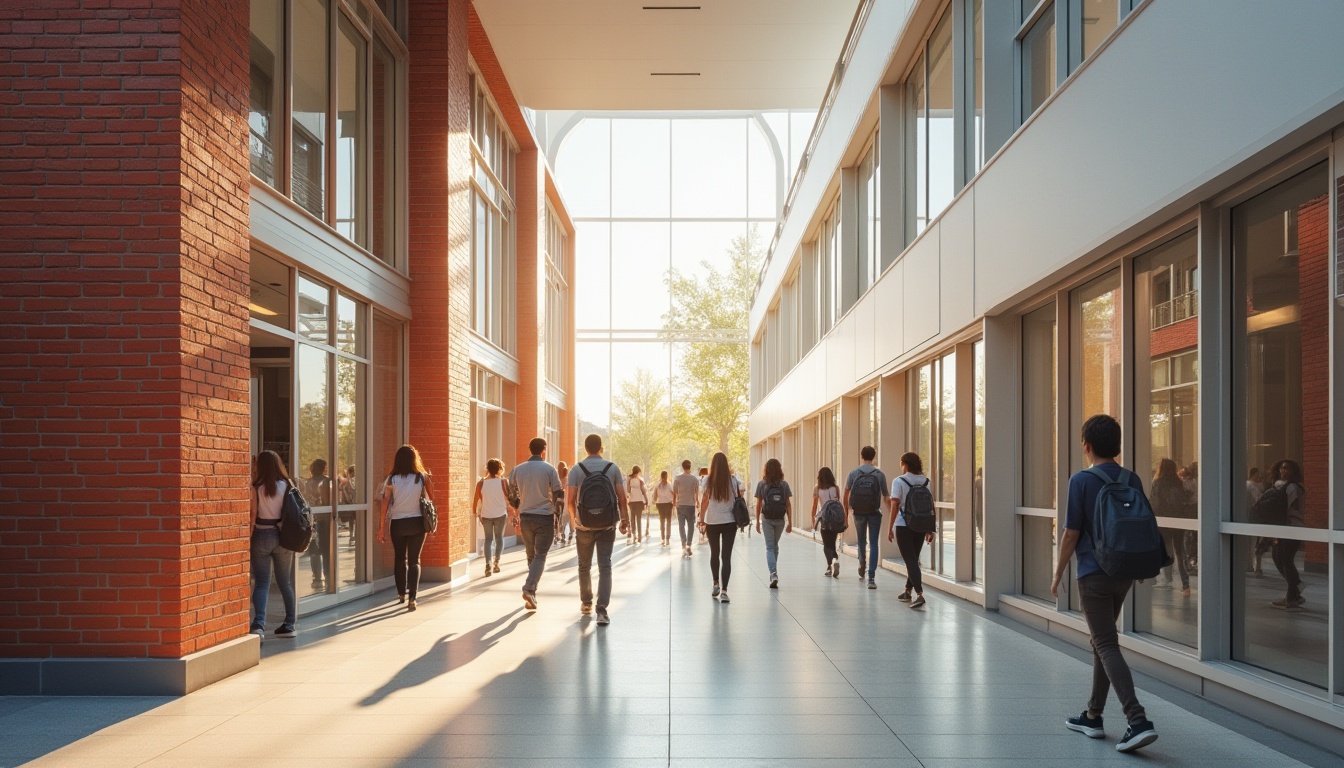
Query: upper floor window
[
  {"x": 1073, "y": 29},
  {"x": 557, "y": 299},
  {"x": 1037, "y": 41},
  {"x": 340, "y": 128},
  {"x": 869, "y": 218},
  {"x": 930, "y": 129},
  {"x": 492, "y": 225}
]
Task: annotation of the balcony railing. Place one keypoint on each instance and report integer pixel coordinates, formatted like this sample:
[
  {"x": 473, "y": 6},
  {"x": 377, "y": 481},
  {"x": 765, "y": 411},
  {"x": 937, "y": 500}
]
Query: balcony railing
[{"x": 1180, "y": 308}]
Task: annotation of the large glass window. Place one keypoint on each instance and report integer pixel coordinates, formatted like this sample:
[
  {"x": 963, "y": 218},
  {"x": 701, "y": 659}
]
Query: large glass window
[
  {"x": 978, "y": 484},
  {"x": 916, "y": 150},
  {"x": 1038, "y": 556},
  {"x": 352, "y": 186},
  {"x": 1038, "y": 57},
  {"x": 316, "y": 569},
  {"x": 268, "y": 300},
  {"x": 1281, "y": 424},
  {"x": 1166, "y": 429},
  {"x": 1038, "y": 409},
  {"x": 933, "y": 411},
  {"x": 1099, "y": 19},
  {"x": 384, "y": 193},
  {"x": 386, "y": 423},
  {"x": 978, "y": 83},
  {"x": 941, "y": 133},
  {"x": 311, "y": 93},
  {"x": 1096, "y": 355},
  {"x": 493, "y": 247},
  {"x": 268, "y": 87},
  {"x": 869, "y": 218},
  {"x": 557, "y": 300}
]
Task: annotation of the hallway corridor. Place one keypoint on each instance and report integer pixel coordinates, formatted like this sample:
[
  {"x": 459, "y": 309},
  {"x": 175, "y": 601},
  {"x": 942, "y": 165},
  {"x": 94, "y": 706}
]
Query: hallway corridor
[{"x": 820, "y": 670}]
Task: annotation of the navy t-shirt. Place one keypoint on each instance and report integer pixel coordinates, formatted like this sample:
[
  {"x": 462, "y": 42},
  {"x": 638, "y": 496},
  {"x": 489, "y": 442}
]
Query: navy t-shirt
[{"x": 1083, "y": 489}]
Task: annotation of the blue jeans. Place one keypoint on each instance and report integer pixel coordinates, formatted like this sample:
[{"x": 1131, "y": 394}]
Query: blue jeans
[
  {"x": 772, "y": 529},
  {"x": 867, "y": 528},
  {"x": 600, "y": 542},
  {"x": 267, "y": 554},
  {"x": 538, "y": 533},
  {"x": 494, "y": 533},
  {"x": 686, "y": 524}
]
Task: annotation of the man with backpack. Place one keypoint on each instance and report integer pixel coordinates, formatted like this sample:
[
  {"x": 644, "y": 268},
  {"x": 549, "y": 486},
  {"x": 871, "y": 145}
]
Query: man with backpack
[
  {"x": 597, "y": 507},
  {"x": 1113, "y": 531},
  {"x": 866, "y": 491}
]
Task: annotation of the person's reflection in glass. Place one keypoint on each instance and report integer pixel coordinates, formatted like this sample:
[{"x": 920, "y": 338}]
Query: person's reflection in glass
[
  {"x": 317, "y": 490},
  {"x": 1288, "y": 478}
]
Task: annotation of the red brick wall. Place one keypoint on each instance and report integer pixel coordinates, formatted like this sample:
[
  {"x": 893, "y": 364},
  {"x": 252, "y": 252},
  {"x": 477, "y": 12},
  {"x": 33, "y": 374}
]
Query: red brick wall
[
  {"x": 440, "y": 263},
  {"x": 1313, "y": 274},
  {"x": 1177, "y": 337},
  {"x": 123, "y": 284},
  {"x": 531, "y": 292}
]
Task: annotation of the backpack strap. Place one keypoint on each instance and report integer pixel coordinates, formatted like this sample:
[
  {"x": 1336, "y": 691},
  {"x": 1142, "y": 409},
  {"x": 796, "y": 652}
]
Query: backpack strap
[{"x": 1107, "y": 479}]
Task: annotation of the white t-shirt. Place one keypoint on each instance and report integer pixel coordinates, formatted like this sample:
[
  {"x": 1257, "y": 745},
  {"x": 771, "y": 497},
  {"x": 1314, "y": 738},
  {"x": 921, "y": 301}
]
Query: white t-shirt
[
  {"x": 634, "y": 491},
  {"x": 405, "y": 502},
  {"x": 662, "y": 493},
  {"x": 493, "y": 501},
  {"x": 720, "y": 511},
  {"x": 268, "y": 507},
  {"x": 898, "y": 490}
]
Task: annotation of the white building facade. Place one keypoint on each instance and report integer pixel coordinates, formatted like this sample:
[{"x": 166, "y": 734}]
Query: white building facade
[{"x": 1014, "y": 215}]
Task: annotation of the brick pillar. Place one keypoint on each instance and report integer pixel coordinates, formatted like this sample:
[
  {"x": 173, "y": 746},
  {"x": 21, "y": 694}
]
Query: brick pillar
[
  {"x": 440, "y": 166},
  {"x": 533, "y": 346},
  {"x": 1313, "y": 275},
  {"x": 123, "y": 323}
]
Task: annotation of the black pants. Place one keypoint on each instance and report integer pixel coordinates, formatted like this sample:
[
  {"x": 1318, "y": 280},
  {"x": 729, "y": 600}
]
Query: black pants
[
  {"x": 828, "y": 545},
  {"x": 1285, "y": 559},
  {"x": 911, "y": 543},
  {"x": 636, "y": 520},
  {"x": 408, "y": 538},
  {"x": 665, "y": 520},
  {"x": 721, "y": 538},
  {"x": 1102, "y": 600}
]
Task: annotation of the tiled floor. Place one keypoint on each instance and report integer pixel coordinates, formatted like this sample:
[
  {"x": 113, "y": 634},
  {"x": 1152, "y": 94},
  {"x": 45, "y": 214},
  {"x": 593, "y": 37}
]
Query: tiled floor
[{"x": 819, "y": 673}]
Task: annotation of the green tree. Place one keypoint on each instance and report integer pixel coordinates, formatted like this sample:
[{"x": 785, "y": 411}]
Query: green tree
[
  {"x": 708, "y": 321},
  {"x": 641, "y": 423}
]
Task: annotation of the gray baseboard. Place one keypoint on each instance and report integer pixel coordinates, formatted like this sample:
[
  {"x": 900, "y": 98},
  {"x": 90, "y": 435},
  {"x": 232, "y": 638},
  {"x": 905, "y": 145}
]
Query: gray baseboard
[{"x": 128, "y": 677}]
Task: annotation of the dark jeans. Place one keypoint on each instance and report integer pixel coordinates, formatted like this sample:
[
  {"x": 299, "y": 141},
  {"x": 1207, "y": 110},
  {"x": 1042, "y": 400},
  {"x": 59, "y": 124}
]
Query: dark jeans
[
  {"x": 828, "y": 545},
  {"x": 538, "y": 535},
  {"x": 408, "y": 538},
  {"x": 1177, "y": 539},
  {"x": 1102, "y": 599},
  {"x": 721, "y": 537},
  {"x": 636, "y": 519},
  {"x": 867, "y": 529},
  {"x": 911, "y": 543},
  {"x": 602, "y": 541},
  {"x": 267, "y": 555},
  {"x": 665, "y": 520},
  {"x": 317, "y": 548},
  {"x": 1285, "y": 559},
  {"x": 686, "y": 524}
]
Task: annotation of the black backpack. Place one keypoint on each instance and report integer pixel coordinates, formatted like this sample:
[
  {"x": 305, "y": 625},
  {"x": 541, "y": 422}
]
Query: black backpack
[
  {"x": 1271, "y": 508},
  {"x": 596, "y": 501},
  {"x": 865, "y": 495},
  {"x": 831, "y": 516},
  {"x": 1125, "y": 538},
  {"x": 775, "y": 503},
  {"x": 920, "y": 514},
  {"x": 296, "y": 521}
]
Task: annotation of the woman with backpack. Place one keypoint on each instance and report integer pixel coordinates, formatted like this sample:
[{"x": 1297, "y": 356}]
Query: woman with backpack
[
  {"x": 774, "y": 500},
  {"x": 1168, "y": 500},
  {"x": 402, "y": 519},
  {"x": 663, "y": 498},
  {"x": 829, "y": 518},
  {"x": 911, "y": 492},
  {"x": 718, "y": 523},
  {"x": 270, "y": 485},
  {"x": 638, "y": 498},
  {"x": 491, "y": 507},
  {"x": 1287, "y": 477}
]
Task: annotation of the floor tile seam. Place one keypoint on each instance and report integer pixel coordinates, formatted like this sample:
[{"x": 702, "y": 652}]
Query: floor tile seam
[{"x": 784, "y": 605}]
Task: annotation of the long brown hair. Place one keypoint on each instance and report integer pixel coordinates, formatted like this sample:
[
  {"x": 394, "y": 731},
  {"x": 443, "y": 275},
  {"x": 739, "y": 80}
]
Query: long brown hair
[
  {"x": 774, "y": 473},
  {"x": 407, "y": 461},
  {"x": 720, "y": 483},
  {"x": 270, "y": 471}
]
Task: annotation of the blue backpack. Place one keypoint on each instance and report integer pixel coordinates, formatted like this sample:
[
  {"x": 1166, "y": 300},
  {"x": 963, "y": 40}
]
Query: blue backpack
[{"x": 1125, "y": 538}]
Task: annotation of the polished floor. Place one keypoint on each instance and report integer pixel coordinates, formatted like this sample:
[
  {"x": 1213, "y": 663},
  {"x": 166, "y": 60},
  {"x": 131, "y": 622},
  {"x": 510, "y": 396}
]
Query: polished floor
[{"x": 820, "y": 672}]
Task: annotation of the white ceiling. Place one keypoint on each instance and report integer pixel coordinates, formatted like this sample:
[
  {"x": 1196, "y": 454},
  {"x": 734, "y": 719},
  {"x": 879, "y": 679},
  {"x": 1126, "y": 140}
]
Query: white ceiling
[{"x": 600, "y": 54}]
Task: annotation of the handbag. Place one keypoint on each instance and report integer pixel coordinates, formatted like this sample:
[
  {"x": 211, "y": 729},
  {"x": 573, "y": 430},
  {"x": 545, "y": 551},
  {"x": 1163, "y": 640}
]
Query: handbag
[
  {"x": 741, "y": 516},
  {"x": 429, "y": 514}
]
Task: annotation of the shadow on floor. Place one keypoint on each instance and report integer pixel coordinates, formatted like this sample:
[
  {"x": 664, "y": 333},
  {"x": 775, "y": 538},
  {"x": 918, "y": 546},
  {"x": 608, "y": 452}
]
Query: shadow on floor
[{"x": 450, "y": 653}]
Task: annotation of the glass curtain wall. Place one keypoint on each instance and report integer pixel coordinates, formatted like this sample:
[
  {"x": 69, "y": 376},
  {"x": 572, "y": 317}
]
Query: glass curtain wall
[
  {"x": 1039, "y": 456},
  {"x": 653, "y": 196},
  {"x": 494, "y": 257},
  {"x": 933, "y": 410}
]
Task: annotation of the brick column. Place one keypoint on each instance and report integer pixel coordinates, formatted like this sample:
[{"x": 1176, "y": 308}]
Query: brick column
[
  {"x": 1313, "y": 274},
  {"x": 124, "y": 372},
  {"x": 440, "y": 267},
  {"x": 533, "y": 347}
]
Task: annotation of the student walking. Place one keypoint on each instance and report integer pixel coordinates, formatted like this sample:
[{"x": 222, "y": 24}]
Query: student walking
[
  {"x": 704, "y": 478},
  {"x": 597, "y": 507},
  {"x": 717, "y": 522},
  {"x": 559, "y": 505},
  {"x": 1287, "y": 477},
  {"x": 402, "y": 519},
  {"x": 909, "y": 491},
  {"x": 637, "y": 496},
  {"x": 535, "y": 483},
  {"x": 491, "y": 507},
  {"x": 829, "y": 517},
  {"x": 774, "y": 502},
  {"x": 1168, "y": 500},
  {"x": 663, "y": 499},
  {"x": 865, "y": 490},
  {"x": 686, "y": 490},
  {"x": 269, "y": 486},
  {"x": 1102, "y": 596}
]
